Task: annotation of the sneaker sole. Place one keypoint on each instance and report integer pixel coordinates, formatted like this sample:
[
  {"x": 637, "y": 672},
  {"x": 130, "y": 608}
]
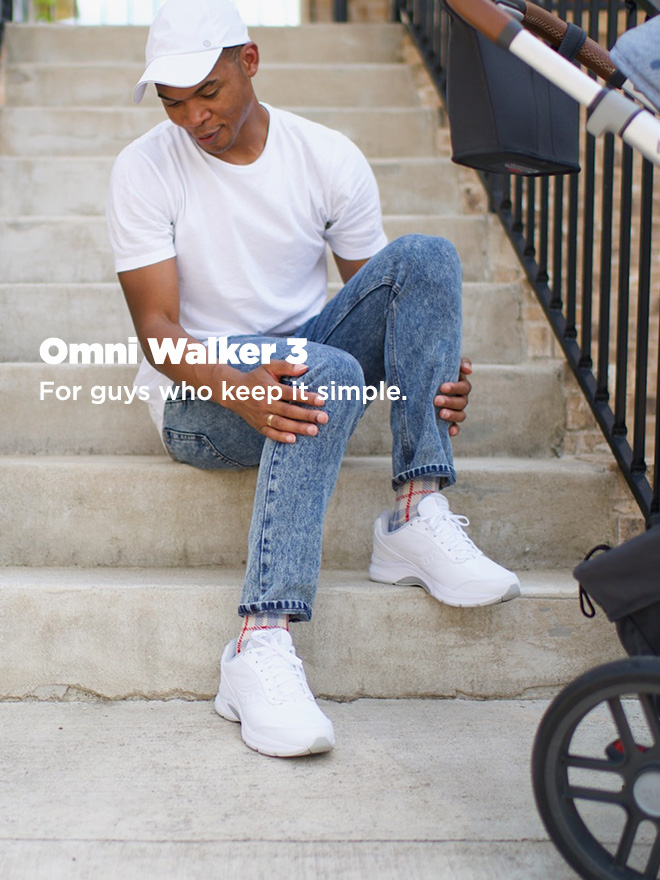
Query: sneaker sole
[
  {"x": 400, "y": 575},
  {"x": 272, "y": 748}
]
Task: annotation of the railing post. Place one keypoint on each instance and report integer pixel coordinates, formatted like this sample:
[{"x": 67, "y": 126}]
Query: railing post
[
  {"x": 6, "y": 14},
  {"x": 340, "y": 10}
]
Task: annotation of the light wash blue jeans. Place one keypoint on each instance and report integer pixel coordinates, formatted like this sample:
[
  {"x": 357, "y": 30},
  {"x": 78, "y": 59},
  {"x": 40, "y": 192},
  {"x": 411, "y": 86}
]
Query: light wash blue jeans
[{"x": 399, "y": 320}]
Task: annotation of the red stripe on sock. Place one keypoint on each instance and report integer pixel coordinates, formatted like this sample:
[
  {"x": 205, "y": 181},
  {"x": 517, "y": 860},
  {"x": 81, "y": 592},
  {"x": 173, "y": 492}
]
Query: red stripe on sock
[
  {"x": 242, "y": 633},
  {"x": 418, "y": 492},
  {"x": 408, "y": 502}
]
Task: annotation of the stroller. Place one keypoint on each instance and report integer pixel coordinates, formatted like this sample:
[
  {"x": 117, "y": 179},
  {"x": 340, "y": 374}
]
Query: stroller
[{"x": 596, "y": 757}]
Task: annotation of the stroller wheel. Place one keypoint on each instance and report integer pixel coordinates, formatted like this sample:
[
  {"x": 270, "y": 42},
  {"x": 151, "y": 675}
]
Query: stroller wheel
[{"x": 596, "y": 771}]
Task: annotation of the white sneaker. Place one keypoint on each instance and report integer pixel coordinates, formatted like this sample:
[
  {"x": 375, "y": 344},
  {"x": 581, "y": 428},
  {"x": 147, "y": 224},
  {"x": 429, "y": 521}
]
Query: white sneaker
[
  {"x": 264, "y": 687},
  {"x": 433, "y": 551}
]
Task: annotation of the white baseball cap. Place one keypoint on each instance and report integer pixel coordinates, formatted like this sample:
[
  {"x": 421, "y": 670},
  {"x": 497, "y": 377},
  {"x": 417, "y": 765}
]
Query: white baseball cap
[{"x": 185, "y": 41}]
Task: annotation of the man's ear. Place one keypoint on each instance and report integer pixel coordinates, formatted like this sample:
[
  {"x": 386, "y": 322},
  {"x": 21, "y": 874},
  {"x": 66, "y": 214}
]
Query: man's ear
[{"x": 250, "y": 58}]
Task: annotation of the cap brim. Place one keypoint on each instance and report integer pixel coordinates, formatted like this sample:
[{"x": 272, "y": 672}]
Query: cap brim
[{"x": 178, "y": 71}]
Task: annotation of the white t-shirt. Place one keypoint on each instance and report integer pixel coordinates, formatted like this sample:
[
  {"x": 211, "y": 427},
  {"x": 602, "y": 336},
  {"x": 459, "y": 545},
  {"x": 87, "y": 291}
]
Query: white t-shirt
[{"x": 249, "y": 240}]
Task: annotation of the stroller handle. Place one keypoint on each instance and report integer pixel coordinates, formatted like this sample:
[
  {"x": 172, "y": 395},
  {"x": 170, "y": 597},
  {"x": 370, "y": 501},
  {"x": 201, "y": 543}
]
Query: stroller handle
[
  {"x": 500, "y": 27},
  {"x": 607, "y": 109},
  {"x": 545, "y": 24}
]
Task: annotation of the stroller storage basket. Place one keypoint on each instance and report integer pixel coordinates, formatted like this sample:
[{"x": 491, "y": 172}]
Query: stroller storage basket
[
  {"x": 504, "y": 117},
  {"x": 625, "y": 582}
]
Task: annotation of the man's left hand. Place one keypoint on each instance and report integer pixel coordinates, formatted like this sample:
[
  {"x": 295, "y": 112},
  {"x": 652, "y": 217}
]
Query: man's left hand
[{"x": 453, "y": 398}]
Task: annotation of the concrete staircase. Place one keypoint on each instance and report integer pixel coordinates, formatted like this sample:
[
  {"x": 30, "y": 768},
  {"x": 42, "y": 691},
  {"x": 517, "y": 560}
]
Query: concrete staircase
[{"x": 121, "y": 570}]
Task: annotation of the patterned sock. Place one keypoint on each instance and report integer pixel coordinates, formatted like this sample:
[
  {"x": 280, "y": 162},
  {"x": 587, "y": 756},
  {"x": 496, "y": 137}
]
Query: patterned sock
[
  {"x": 254, "y": 622},
  {"x": 408, "y": 497}
]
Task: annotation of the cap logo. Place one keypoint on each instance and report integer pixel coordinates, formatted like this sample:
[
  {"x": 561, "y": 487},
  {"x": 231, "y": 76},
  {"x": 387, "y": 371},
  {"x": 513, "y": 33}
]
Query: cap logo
[{"x": 207, "y": 43}]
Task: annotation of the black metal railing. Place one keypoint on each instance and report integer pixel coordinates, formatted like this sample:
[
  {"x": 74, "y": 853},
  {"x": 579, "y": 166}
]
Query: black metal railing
[
  {"x": 590, "y": 245},
  {"x": 6, "y": 13},
  {"x": 340, "y": 10}
]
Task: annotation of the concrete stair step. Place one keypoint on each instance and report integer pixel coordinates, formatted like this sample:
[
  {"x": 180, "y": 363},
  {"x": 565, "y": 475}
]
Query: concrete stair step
[
  {"x": 61, "y": 186},
  {"x": 329, "y": 85},
  {"x": 307, "y": 44},
  {"x": 76, "y": 312},
  {"x": 493, "y": 328},
  {"x": 76, "y": 249},
  {"x": 504, "y": 395},
  {"x": 91, "y": 131},
  {"x": 414, "y": 788},
  {"x": 145, "y": 510},
  {"x": 158, "y": 633}
]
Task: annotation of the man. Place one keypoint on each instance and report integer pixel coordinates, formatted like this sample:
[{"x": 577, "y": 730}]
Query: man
[{"x": 219, "y": 219}]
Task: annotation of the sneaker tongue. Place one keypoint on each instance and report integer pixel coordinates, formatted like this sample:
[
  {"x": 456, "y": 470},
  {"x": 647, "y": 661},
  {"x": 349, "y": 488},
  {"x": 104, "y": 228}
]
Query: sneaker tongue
[
  {"x": 281, "y": 636},
  {"x": 433, "y": 504},
  {"x": 273, "y": 634}
]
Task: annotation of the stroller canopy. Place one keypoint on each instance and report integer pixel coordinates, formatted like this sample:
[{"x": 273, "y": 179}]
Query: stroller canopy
[{"x": 637, "y": 55}]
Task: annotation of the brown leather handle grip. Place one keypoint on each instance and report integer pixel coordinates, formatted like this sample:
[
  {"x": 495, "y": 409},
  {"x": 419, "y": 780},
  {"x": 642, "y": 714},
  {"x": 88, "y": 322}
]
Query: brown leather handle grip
[{"x": 544, "y": 24}]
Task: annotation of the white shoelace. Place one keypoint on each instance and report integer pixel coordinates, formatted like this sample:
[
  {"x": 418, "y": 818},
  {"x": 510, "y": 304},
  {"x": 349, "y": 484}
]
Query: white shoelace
[
  {"x": 448, "y": 527},
  {"x": 282, "y": 669}
]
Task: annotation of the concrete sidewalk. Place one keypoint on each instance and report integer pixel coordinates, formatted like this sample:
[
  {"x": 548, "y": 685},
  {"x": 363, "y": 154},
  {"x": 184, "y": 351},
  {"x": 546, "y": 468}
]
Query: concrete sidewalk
[{"x": 414, "y": 789}]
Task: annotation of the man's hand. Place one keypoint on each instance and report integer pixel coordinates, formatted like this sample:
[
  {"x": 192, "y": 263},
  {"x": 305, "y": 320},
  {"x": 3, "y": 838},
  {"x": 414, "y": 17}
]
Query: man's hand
[
  {"x": 453, "y": 398},
  {"x": 280, "y": 419}
]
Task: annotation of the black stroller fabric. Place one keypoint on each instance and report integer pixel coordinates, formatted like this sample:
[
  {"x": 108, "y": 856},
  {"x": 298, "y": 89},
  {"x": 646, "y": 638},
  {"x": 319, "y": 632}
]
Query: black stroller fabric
[
  {"x": 504, "y": 117},
  {"x": 625, "y": 582}
]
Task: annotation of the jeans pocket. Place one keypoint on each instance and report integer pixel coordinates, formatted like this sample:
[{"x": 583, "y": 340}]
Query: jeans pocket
[{"x": 196, "y": 450}]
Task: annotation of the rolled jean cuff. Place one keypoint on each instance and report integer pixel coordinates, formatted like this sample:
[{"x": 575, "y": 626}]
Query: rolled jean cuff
[
  {"x": 445, "y": 471},
  {"x": 296, "y": 610}
]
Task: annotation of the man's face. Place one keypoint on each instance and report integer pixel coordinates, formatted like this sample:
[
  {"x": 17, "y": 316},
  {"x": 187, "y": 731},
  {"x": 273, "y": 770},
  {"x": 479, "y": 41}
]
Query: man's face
[{"x": 215, "y": 111}]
